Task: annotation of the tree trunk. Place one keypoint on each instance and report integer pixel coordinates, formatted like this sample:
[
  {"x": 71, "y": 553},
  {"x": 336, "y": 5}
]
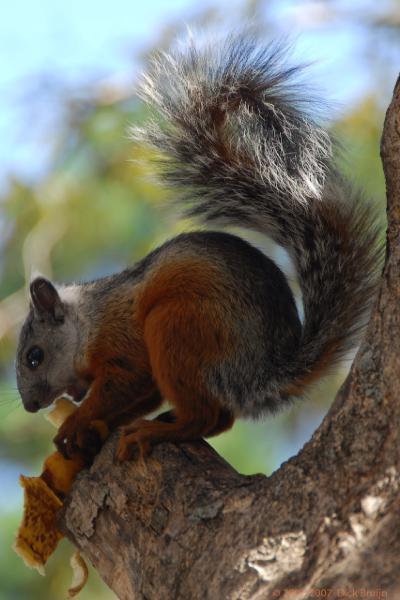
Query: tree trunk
[{"x": 184, "y": 525}]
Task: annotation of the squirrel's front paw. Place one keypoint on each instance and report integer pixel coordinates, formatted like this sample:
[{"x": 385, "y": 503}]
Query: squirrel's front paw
[{"x": 83, "y": 438}]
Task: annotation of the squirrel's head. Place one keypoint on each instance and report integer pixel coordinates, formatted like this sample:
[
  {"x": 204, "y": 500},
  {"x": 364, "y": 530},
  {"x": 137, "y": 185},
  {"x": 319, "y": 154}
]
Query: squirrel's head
[{"x": 48, "y": 346}]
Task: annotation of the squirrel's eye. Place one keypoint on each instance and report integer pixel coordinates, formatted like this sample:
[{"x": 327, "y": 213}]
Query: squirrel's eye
[{"x": 34, "y": 357}]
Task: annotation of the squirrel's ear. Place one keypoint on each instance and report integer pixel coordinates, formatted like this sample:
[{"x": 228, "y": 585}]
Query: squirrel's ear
[{"x": 46, "y": 300}]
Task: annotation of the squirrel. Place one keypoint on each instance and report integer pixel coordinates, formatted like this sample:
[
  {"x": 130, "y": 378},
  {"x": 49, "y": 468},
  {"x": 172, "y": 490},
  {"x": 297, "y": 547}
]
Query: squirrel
[{"x": 206, "y": 320}]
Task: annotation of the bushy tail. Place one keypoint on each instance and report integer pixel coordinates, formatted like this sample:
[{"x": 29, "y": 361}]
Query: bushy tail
[{"x": 237, "y": 137}]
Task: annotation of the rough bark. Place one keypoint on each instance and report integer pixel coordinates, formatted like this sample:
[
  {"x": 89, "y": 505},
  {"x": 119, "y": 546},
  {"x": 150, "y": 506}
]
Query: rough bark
[{"x": 185, "y": 525}]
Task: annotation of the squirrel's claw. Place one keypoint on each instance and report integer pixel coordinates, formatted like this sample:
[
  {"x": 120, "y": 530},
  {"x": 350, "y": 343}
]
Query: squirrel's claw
[
  {"x": 60, "y": 443},
  {"x": 130, "y": 439},
  {"x": 84, "y": 439}
]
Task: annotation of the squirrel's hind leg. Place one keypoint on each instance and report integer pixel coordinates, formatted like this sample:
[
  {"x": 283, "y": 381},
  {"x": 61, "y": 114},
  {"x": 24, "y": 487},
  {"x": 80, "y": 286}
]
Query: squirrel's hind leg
[
  {"x": 225, "y": 421},
  {"x": 145, "y": 433},
  {"x": 180, "y": 346}
]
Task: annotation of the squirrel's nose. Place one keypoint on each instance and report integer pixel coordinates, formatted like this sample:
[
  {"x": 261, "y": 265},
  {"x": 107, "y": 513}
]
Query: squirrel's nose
[{"x": 31, "y": 405}]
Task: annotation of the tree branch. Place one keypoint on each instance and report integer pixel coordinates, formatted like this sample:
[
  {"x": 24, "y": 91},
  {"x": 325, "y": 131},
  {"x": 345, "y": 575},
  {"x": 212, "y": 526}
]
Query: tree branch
[{"x": 184, "y": 524}]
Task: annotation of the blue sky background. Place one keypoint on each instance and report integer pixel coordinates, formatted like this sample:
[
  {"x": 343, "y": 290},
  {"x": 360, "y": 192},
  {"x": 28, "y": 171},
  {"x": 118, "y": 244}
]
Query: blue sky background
[{"x": 81, "y": 42}]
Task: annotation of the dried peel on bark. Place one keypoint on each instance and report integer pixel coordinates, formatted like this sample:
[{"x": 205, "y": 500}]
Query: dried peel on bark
[
  {"x": 80, "y": 574},
  {"x": 62, "y": 409},
  {"x": 38, "y": 534}
]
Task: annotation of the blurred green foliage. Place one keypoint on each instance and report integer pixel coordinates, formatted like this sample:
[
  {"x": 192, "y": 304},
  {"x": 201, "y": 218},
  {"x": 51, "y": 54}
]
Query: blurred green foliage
[{"x": 94, "y": 211}]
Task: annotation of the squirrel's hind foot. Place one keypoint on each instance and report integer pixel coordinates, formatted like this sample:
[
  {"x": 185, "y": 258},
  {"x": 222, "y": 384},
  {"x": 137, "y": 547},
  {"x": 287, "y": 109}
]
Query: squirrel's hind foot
[{"x": 145, "y": 434}]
